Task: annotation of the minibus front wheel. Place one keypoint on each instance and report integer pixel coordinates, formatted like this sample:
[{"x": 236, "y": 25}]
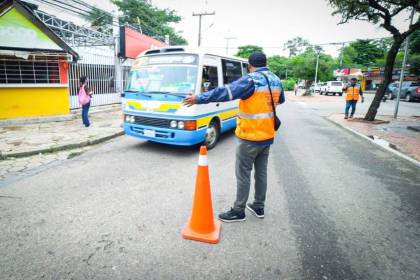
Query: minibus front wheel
[{"x": 212, "y": 134}]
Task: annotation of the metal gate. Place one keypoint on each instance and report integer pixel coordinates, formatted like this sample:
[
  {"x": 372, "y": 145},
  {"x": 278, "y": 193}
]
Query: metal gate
[{"x": 101, "y": 81}]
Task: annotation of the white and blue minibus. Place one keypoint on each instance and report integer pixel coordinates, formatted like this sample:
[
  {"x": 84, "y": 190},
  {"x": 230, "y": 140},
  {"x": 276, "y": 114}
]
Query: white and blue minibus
[{"x": 159, "y": 81}]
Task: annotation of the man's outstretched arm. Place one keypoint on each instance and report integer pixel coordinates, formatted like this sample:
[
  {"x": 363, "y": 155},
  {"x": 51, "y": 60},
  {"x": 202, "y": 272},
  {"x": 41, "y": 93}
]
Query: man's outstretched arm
[{"x": 241, "y": 88}]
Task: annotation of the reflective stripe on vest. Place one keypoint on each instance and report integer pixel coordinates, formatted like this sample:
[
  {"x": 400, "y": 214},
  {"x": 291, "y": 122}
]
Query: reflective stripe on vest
[
  {"x": 256, "y": 116},
  {"x": 255, "y": 120}
]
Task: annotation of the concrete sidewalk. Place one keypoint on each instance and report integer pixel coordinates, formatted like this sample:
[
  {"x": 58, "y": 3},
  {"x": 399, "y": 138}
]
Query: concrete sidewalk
[
  {"x": 20, "y": 139},
  {"x": 396, "y": 134}
]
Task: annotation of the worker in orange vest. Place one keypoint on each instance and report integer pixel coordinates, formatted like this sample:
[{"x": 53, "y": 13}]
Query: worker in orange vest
[
  {"x": 353, "y": 91},
  {"x": 258, "y": 92}
]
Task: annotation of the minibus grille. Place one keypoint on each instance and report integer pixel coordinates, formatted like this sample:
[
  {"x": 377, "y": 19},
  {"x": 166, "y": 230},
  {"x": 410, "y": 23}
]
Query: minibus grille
[{"x": 152, "y": 121}]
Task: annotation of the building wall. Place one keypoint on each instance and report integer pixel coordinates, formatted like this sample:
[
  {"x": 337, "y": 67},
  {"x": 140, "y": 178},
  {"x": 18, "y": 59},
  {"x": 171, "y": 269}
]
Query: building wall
[{"x": 33, "y": 101}]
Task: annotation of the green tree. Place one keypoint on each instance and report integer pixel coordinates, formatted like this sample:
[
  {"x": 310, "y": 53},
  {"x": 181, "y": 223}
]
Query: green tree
[
  {"x": 303, "y": 66},
  {"x": 380, "y": 12},
  {"x": 414, "y": 45},
  {"x": 247, "y": 50},
  {"x": 296, "y": 46},
  {"x": 153, "y": 21},
  {"x": 100, "y": 20},
  {"x": 414, "y": 54},
  {"x": 363, "y": 52},
  {"x": 279, "y": 65}
]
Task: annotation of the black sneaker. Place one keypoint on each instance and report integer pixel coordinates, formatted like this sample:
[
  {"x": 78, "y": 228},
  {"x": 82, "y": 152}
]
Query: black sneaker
[
  {"x": 346, "y": 117},
  {"x": 233, "y": 216},
  {"x": 259, "y": 213},
  {"x": 351, "y": 116}
]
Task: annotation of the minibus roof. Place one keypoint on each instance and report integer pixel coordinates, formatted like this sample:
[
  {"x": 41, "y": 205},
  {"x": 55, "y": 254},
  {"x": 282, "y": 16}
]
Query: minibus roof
[{"x": 186, "y": 49}]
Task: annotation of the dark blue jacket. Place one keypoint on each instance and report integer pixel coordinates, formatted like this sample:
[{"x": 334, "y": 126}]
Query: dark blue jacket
[{"x": 242, "y": 88}]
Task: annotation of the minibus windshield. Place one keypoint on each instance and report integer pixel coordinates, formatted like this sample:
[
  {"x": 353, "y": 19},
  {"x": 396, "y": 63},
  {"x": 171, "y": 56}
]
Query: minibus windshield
[{"x": 174, "y": 74}]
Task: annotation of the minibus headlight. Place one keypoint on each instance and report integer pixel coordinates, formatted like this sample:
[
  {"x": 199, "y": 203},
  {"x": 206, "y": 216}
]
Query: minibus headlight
[
  {"x": 130, "y": 119},
  {"x": 174, "y": 124},
  {"x": 181, "y": 125}
]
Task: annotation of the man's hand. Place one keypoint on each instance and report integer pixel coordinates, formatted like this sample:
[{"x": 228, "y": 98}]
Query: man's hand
[{"x": 189, "y": 100}]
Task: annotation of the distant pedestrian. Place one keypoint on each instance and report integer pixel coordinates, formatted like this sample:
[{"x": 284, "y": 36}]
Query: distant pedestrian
[
  {"x": 353, "y": 91},
  {"x": 296, "y": 89},
  {"x": 85, "y": 95},
  {"x": 259, "y": 93}
]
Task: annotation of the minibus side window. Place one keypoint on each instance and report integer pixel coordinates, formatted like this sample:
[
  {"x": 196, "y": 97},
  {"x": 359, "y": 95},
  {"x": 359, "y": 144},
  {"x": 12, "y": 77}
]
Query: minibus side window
[
  {"x": 244, "y": 69},
  {"x": 232, "y": 71},
  {"x": 210, "y": 78}
]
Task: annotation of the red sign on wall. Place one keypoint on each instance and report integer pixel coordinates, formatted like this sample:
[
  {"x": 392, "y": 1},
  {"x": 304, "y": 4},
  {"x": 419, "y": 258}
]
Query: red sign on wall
[{"x": 132, "y": 43}]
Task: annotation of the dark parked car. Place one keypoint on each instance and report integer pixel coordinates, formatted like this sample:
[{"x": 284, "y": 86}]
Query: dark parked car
[
  {"x": 410, "y": 91},
  {"x": 388, "y": 91}
]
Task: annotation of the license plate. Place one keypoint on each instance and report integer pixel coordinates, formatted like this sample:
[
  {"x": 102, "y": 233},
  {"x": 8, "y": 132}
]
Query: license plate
[{"x": 149, "y": 133}]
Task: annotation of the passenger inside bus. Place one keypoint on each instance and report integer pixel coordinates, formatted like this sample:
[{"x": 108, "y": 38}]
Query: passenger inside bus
[{"x": 210, "y": 80}]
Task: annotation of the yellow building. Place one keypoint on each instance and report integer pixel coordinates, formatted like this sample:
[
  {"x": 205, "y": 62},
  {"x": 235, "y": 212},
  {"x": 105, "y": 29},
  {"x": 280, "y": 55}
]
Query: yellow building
[{"x": 33, "y": 65}]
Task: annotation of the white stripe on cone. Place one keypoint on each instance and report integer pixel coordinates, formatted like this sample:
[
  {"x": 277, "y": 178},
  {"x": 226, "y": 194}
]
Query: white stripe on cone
[{"x": 202, "y": 160}]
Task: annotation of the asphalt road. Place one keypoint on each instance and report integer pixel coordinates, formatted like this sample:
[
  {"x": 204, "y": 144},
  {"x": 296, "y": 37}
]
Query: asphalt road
[
  {"x": 386, "y": 108},
  {"x": 338, "y": 208}
]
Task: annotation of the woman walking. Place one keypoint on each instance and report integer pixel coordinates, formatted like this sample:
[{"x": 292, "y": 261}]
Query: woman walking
[{"x": 85, "y": 94}]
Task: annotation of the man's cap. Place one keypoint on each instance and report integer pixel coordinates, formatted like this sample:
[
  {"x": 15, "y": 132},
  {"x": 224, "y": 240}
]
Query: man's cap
[
  {"x": 258, "y": 59},
  {"x": 353, "y": 79}
]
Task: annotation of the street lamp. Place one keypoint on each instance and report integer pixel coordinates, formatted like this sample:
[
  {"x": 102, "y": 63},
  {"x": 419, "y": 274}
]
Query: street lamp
[{"x": 407, "y": 41}]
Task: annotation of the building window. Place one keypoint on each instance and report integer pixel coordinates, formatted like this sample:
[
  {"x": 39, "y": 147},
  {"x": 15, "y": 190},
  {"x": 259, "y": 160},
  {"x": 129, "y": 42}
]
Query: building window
[
  {"x": 232, "y": 71},
  {"x": 16, "y": 71}
]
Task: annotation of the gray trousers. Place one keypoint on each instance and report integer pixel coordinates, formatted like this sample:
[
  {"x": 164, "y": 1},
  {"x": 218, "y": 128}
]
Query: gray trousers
[{"x": 247, "y": 156}]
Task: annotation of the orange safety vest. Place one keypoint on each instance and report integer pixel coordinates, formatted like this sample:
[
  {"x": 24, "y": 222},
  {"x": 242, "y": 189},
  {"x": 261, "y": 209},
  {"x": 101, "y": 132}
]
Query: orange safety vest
[
  {"x": 255, "y": 121},
  {"x": 353, "y": 92}
]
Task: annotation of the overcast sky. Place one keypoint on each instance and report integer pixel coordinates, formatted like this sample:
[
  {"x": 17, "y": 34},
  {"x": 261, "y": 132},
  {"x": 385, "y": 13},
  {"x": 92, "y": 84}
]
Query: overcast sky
[{"x": 268, "y": 23}]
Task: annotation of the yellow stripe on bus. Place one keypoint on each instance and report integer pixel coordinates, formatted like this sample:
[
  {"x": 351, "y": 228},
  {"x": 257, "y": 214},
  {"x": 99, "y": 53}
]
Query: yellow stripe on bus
[{"x": 204, "y": 121}]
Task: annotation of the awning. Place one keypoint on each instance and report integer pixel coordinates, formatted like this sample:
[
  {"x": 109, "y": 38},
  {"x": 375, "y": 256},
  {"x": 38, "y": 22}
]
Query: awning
[{"x": 21, "y": 30}]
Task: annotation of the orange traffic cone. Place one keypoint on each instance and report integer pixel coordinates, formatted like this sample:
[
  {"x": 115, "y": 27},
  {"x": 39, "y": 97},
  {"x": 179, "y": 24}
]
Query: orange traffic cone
[{"x": 202, "y": 226}]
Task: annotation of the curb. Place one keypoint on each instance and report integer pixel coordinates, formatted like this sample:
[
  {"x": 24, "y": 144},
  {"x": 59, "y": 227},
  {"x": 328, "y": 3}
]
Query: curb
[
  {"x": 62, "y": 147},
  {"x": 395, "y": 152},
  {"x": 72, "y": 115}
]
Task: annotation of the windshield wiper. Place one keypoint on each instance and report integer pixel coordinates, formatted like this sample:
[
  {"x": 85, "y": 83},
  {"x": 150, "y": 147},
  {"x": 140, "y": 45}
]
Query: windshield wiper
[
  {"x": 136, "y": 91},
  {"x": 169, "y": 93}
]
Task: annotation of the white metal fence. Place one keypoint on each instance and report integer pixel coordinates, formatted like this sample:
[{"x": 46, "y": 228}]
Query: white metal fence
[{"x": 99, "y": 67}]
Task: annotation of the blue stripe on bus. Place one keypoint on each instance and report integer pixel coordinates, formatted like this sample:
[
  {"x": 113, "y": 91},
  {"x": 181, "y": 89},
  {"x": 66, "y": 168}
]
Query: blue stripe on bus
[{"x": 175, "y": 117}]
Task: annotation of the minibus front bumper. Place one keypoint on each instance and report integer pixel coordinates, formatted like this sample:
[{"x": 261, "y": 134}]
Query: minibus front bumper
[{"x": 165, "y": 135}]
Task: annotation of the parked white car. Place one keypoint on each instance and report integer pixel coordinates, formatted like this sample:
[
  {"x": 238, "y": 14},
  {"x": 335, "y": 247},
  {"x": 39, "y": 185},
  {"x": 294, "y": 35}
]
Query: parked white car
[
  {"x": 333, "y": 87},
  {"x": 322, "y": 87},
  {"x": 317, "y": 87}
]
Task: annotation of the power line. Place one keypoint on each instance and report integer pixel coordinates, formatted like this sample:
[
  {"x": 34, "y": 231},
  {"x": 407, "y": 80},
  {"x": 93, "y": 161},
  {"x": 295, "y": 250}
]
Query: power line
[
  {"x": 321, "y": 44},
  {"x": 71, "y": 6},
  {"x": 61, "y": 7}
]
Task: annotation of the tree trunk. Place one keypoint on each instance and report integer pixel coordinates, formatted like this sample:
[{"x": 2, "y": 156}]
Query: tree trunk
[{"x": 389, "y": 67}]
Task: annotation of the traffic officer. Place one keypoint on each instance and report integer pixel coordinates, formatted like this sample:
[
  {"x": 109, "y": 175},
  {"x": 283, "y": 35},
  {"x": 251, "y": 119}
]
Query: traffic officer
[
  {"x": 255, "y": 131},
  {"x": 353, "y": 91}
]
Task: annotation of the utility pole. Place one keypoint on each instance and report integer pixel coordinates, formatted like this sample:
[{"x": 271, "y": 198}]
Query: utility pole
[
  {"x": 407, "y": 42},
  {"x": 227, "y": 43},
  {"x": 341, "y": 56},
  {"x": 316, "y": 69},
  {"x": 118, "y": 65},
  {"x": 200, "y": 15}
]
